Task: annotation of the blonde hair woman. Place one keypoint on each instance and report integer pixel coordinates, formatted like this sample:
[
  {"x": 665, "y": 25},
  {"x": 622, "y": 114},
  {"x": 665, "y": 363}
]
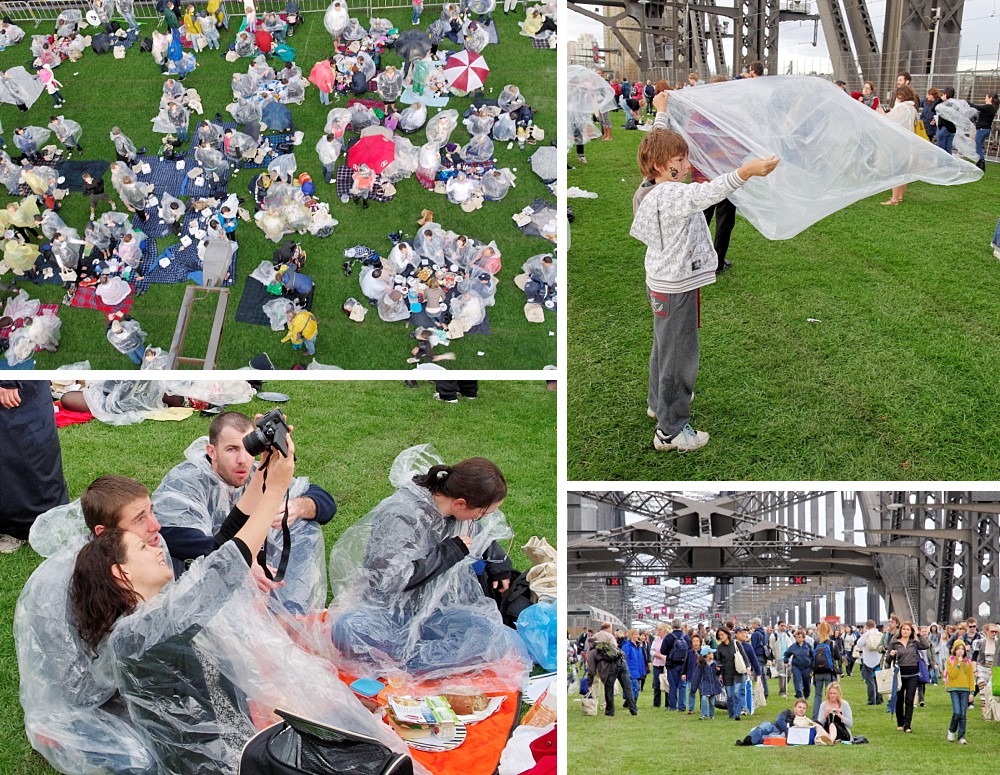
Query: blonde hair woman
[
  {"x": 835, "y": 714},
  {"x": 826, "y": 665}
]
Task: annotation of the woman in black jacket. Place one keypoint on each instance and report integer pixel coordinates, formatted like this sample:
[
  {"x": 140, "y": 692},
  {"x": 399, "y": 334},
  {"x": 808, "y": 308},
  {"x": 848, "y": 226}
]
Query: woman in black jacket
[
  {"x": 733, "y": 680},
  {"x": 984, "y": 123},
  {"x": 903, "y": 651}
]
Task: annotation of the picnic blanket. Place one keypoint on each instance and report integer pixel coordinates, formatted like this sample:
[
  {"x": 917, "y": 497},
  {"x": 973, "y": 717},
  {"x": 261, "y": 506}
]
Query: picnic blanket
[
  {"x": 73, "y": 172},
  {"x": 542, "y": 41},
  {"x": 208, "y": 187},
  {"x": 149, "y": 256},
  {"x": 490, "y": 28},
  {"x": 164, "y": 175},
  {"x": 344, "y": 181},
  {"x": 544, "y": 211},
  {"x": 6, "y": 331},
  {"x": 251, "y": 308},
  {"x": 275, "y": 140},
  {"x": 86, "y": 298},
  {"x": 420, "y": 319},
  {"x": 37, "y": 274},
  {"x": 368, "y": 103},
  {"x": 182, "y": 263},
  {"x": 432, "y": 101}
]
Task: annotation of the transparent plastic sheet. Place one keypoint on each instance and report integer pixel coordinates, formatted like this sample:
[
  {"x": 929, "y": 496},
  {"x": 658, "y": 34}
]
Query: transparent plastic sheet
[
  {"x": 405, "y": 162},
  {"x": 510, "y": 98},
  {"x": 276, "y": 310},
  {"x": 392, "y": 309},
  {"x": 154, "y": 359},
  {"x": 538, "y": 627},
  {"x": 192, "y": 495},
  {"x": 243, "y": 86},
  {"x": 10, "y": 175},
  {"x": 834, "y": 151},
  {"x": 20, "y": 348},
  {"x": 38, "y": 135},
  {"x": 440, "y": 127},
  {"x": 282, "y": 167},
  {"x": 479, "y": 125},
  {"x": 21, "y": 306},
  {"x": 322, "y": 223},
  {"x": 59, "y": 693},
  {"x": 296, "y": 216},
  {"x": 58, "y": 528},
  {"x": 441, "y": 629},
  {"x": 545, "y": 163},
  {"x": 44, "y": 331},
  {"x": 337, "y": 120},
  {"x": 504, "y": 129},
  {"x": 469, "y": 309},
  {"x": 587, "y": 93},
  {"x": 126, "y": 402},
  {"x": 963, "y": 116},
  {"x": 271, "y": 224},
  {"x": 217, "y": 392},
  {"x": 429, "y": 160},
  {"x": 17, "y": 85}
]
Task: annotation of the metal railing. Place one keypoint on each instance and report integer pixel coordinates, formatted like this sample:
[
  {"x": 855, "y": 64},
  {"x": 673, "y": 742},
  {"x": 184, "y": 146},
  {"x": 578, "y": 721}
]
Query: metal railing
[{"x": 37, "y": 12}]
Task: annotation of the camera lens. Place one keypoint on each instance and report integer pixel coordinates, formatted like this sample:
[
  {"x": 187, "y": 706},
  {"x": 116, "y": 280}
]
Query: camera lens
[{"x": 256, "y": 442}]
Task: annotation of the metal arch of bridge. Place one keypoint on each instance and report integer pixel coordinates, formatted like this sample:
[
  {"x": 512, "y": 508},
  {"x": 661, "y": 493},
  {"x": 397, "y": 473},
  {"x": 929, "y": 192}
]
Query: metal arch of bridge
[{"x": 930, "y": 555}]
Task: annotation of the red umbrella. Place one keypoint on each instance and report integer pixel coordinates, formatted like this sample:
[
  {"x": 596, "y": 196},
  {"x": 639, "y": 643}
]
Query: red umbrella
[
  {"x": 377, "y": 151},
  {"x": 466, "y": 71}
]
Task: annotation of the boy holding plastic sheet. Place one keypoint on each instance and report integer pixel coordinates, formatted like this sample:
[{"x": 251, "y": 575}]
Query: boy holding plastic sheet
[{"x": 680, "y": 259}]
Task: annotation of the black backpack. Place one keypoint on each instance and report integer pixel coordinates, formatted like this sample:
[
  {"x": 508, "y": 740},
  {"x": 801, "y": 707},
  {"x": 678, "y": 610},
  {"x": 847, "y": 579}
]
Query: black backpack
[
  {"x": 298, "y": 745},
  {"x": 679, "y": 650},
  {"x": 146, "y": 45}
]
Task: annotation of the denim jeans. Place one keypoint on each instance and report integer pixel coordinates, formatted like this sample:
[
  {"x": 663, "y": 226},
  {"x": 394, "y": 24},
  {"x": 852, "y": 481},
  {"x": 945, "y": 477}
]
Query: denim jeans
[
  {"x": 945, "y": 139},
  {"x": 676, "y": 693},
  {"x": 182, "y": 134},
  {"x": 633, "y": 681},
  {"x": 820, "y": 682},
  {"x": 691, "y": 698},
  {"x": 657, "y": 691},
  {"x": 735, "y": 698},
  {"x": 996, "y": 236},
  {"x": 708, "y": 706},
  {"x": 959, "y": 709},
  {"x": 136, "y": 354},
  {"x": 324, "y": 97},
  {"x": 981, "y": 135},
  {"x": 759, "y": 732},
  {"x": 868, "y": 674},
  {"x": 416, "y": 15},
  {"x": 800, "y": 675}
]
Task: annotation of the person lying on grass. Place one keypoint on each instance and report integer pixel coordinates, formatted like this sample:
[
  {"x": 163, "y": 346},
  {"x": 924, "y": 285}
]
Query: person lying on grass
[{"x": 781, "y": 725}]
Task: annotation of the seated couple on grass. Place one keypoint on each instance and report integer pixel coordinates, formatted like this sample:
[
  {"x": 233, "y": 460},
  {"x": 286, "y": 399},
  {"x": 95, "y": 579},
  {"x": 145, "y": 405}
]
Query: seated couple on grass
[{"x": 834, "y": 726}]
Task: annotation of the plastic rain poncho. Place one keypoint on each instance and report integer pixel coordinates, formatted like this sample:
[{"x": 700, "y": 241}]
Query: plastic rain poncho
[
  {"x": 442, "y": 626},
  {"x": 23, "y": 214},
  {"x": 243, "y": 85},
  {"x": 241, "y": 144},
  {"x": 374, "y": 287},
  {"x": 67, "y": 22},
  {"x": 588, "y": 93},
  {"x": 282, "y": 168},
  {"x": 19, "y": 256},
  {"x": 963, "y": 116},
  {"x": 401, "y": 258},
  {"x": 833, "y": 151},
  {"x": 545, "y": 163},
  {"x": 10, "y": 35},
  {"x": 21, "y": 306},
  {"x": 184, "y": 65},
  {"x": 413, "y": 117},
  {"x": 192, "y": 495},
  {"x": 134, "y": 194},
  {"x": 337, "y": 121},
  {"x": 353, "y": 30},
  {"x": 246, "y": 46},
  {"x": 123, "y": 146},
  {"x": 276, "y": 311},
  {"x": 405, "y": 162},
  {"x": 496, "y": 184},
  {"x": 468, "y": 309},
  {"x": 40, "y": 179},
  {"x": 125, "y": 336},
  {"x": 260, "y": 70},
  {"x": 97, "y": 235},
  {"x": 486, "y": 258},
  {"x": 429, "y": 243},
  {"x": 167, "y": 214},
  {"x": 117, "y": 223},
  {"x": 39, "y": 136},
  {"x": 245, "y": 111},
  {"x": 10, "y": 175},
  {"x": 335, "y": 19},
  {"x": 154, "y": 359},
  {"x": 481, "y": 285},
  {"x": 478, "y": 124},
  {"x": 510, "y": 98},
  {"x": 208, "y": 132},
  {"x": 66, "y": 253},
  {"x": 393, "y": 307},
  {"x": 18, "y": 86},
  {"x": 389, "y": 88},
  {"x": 536, "y": 269},
  {"x": 440, "y": 127},
  {"x": 479, "y": 148},
  {"x": 210, "y": 159},
  {"x": 362, "y": 117},
  {"x": 190, "y": 662},
  {"x": 477, "y": 39},
  {"x": 60, "y": 694}
]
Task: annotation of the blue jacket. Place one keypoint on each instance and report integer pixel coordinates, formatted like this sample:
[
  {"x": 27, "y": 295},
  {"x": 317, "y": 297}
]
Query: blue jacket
[
  {"x": 708, "y": 679},
  {"x": 634, "y": 658},
  {"x": 800, "y": 656},
  {"x": 758, "y": 639},
  {"x": 690, "y": 668},
  {"x": 626, "y": 90}
]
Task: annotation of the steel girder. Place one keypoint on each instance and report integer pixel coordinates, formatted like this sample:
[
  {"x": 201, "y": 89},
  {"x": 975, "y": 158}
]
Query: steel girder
[
  {"x": 908, "y": 42},
  {"x": 865, "y": 42},
  {"x": 838, "y": 42}
]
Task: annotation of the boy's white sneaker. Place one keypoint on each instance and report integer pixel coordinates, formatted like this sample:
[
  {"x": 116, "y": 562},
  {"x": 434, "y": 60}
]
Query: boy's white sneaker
[
  {"x": 687, "y": 440},
  {"x": 962, "y": 741},
  {"x": 951, "y": 737}
]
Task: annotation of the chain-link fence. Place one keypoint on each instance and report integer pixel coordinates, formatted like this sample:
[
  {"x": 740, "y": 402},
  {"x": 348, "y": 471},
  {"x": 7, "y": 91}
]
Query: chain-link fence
[{"x": 39, "y": 12}]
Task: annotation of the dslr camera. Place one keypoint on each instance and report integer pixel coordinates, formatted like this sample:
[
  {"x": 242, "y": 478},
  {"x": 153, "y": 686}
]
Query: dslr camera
[{"x": 269, "y": 432}]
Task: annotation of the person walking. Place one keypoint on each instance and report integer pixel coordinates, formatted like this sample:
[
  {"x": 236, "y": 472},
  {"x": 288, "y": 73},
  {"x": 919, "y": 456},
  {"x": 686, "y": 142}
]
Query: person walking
[
  {"x": 606, "y": 661},
  {"x": 799, "y": 658},
  {"x": 675, "y": 648},
  {"x": 903, "y": 652},
  {"x": 761, "y": 648},
  {"x": 634, "y": 659},
  {"x": 780, "y": 640},
  {"x": 691, "y": 671},
  {"x": 659, "y": 662},
  {"x": 734, "y": 663},
  {"x": 960, "y": 681}
]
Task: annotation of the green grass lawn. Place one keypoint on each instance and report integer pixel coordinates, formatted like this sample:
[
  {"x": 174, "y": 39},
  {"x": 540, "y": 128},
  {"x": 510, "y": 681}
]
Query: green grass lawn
[
  {"x": 127, "y": 92},
  {"x": 669, "y": 742},
  {"x": 898, "y": 381},
  {"x": 347, "y": 435}
]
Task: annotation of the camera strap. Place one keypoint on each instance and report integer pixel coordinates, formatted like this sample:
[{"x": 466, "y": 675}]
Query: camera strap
[{"x": 286, "y": 535}]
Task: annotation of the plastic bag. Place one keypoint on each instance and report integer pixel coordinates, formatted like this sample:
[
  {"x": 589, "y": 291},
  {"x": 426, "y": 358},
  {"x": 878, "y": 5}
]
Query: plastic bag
[
  {"x": 504, "y": 129},
  {"x": 124, "y": 402},
  {"x": 440, "y": 628},
  {"x": 963, "y": 116},
  {"x": 834, "y": 151},
  {"x": 538, "y": 626},
  {"x": 587, "y": 93}
]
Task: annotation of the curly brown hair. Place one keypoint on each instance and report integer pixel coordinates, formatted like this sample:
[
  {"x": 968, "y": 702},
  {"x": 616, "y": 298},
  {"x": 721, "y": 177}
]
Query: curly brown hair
[{"x": 97, "y": 598}]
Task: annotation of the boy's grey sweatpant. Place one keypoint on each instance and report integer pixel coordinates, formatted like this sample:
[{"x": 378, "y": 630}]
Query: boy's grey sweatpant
[{"x": 673, "y": 362}]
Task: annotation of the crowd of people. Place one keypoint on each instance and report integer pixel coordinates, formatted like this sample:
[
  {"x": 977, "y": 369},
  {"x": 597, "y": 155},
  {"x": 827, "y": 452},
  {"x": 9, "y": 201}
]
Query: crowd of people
[
  {"x": 162, "y": 625},
  {"x": 739, "y": 666}
]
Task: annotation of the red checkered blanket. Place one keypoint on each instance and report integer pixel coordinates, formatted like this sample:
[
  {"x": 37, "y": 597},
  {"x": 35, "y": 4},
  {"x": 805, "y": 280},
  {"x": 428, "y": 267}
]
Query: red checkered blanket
[
  {"x": 86, "y": 298},
  {"x": 5, "y": 332}
]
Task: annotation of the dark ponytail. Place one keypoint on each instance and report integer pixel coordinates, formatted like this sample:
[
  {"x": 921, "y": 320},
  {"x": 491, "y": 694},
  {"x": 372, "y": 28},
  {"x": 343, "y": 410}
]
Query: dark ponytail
[
  {"x": 97, "y": 598},
  {"x": 477, "y": 480}
]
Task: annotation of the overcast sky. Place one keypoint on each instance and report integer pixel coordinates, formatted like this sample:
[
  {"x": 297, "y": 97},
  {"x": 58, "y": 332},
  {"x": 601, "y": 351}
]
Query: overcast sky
[{"x": 980, "y": 25}]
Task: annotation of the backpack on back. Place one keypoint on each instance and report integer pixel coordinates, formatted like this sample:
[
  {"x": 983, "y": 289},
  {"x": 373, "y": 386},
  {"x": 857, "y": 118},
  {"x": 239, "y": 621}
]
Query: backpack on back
[
  {"x": 679, "y": 650},
  {"x": 823, "y": 660}
]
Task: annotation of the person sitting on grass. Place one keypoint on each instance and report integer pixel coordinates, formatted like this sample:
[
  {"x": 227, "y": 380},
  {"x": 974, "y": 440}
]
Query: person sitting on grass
[
  {"x": 71, "y": 712},
  {"x": 781, "y": 725},
  {"x": 680, "y": 259},
  {"x": 835, "y": 714}
]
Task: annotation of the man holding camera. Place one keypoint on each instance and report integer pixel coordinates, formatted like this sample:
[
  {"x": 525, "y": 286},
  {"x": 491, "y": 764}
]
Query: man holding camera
[{"x": 195, "y": 497}]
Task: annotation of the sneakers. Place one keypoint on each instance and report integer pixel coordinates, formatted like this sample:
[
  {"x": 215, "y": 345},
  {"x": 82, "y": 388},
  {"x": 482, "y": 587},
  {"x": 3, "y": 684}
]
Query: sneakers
[
  {"x": 951, "y": 737},
  {"x": 686, "y": 441},
  {"x": 650, "y": 413},
  {"x": 437, "y": 396},
  {"x": 582, "y": 158},
  {"x": 9, "y": 544},
  {"x": 962, "y": 741}
]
